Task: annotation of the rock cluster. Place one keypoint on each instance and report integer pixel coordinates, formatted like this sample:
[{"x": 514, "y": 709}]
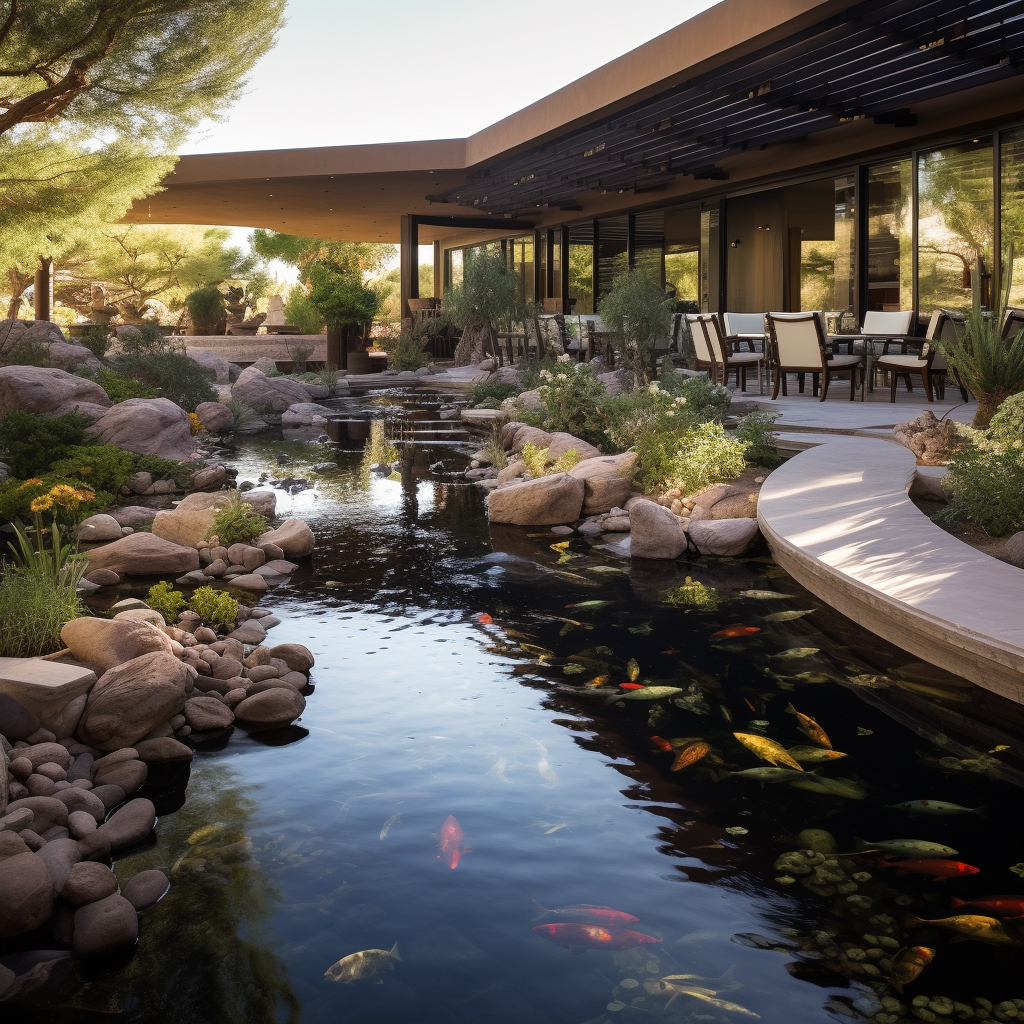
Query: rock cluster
[{"x": 932, "y": 440}]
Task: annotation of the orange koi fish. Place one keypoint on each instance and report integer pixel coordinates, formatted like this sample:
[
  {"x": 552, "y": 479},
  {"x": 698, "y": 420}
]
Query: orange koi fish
[
  {"x": 662, "y": 744},
  {"x": 450, "y": 842},
  {"x": 731, "y": 631},
  {"x": 592, "y": 936},
  {"x": 484, "y": 618},
  {"x": 631, "y": 686},
  {"x": 690, "y": 755}
]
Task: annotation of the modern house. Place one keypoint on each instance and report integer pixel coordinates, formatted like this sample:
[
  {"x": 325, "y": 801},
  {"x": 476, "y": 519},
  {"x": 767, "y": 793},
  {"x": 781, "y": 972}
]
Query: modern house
[{"x": 787, "y": 155}]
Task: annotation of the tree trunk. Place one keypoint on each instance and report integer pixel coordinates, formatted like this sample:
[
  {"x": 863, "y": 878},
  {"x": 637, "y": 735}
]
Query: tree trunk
[
  {"x": 18, "y": 283},
  {"x": 473, "y": 347}
]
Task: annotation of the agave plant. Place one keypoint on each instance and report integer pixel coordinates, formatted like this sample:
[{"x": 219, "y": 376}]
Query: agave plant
[{"x": 989, "y": 366}]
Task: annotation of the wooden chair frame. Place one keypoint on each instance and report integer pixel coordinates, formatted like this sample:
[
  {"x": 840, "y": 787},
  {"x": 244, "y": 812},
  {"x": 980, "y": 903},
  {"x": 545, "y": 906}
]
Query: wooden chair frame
[{"x": 826, "y": 367}]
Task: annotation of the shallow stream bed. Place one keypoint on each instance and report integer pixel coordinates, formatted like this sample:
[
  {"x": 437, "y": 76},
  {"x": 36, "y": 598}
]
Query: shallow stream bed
[{"x": 474, "y": 673}]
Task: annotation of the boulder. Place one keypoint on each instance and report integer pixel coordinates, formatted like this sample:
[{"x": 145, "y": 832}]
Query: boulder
[
  {"x": 128, "y": 776},
  {"x": 277, "y": 706},
  {"x": 133, "y": 516},
  {"x": 190, "y": 526},
  {"x": 265, "y": 365},
  {"x": 562, "y": 443},
  {"x": 220, "y": 366},
  {"x": 88, "y": 882},
  {"x": 264, "y": 502},
  {"x": 26, "y": 895},
  {"x": 46, "y": 753},
  {"x": 129, "y": 824},
  {"x": 248, "y": 581},
  {"x": 72, "y": 357},
  {"x": 44, "y": 688},
  {"x": 147, "y": 615},
  {"x": 295, "y": 656},
  {"x": 1013, "y": 552},
  {"x": 162, "y": 749},
  {"x": 210, "y": 478},
  {"x": 546, "y": 501},
  {"x": 148, "y": 426},
  {"x": 723, "y": 537},
  {"x": 267, "y": 394},
  {"x": 293, "y": 537},
  {"x": 59, "y": 856},
  {"x": 146, "y": 888},
  {"x": 736, "y": 506},
  {"x": 16, "y": 721},
  {"x": 306, "y": 414},
  {"x": 207, "y": 713},
  {"x": 104, "y": 926},
  {"x": 47, "y": 811},
  {"x": 143, "y": 554},
  {"x": 46, "y": 391},
  {"x": 216, "y": 417},
  {"x": 656, "y": 532},
  {"x": 82, "y": 800},
  {"x": 35, "y": 332},
  {"x": 131, "y": 699},
  {"x": 606, "y": 481},
  {"x": 103, "y": 643},
  {"x": 515, "y": 468},
  {"x": 525, "y": 435}
]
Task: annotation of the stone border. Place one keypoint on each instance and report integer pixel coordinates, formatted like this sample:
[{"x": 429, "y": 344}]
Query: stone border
[{"x": 839, "y": 520}]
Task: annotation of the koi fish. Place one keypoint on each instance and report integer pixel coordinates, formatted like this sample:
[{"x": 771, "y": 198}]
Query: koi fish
[
  {"x": 363, "y": 964},
  {"x": 598, "y": 681},
  {"x": 787, "y": 616},
  {"x": 909, "y": 964},
  {"x": 650, "y": 693},
  {"x": 450, "y": 842},
  {"x": 906, "y": 848},
  {"x": 796, "y": 652},
  {"x": 484, "y": 618},
  {"x": 996, "y": 906},
  {"x": 815, "y": 754},
  {"x": 936, "y": 867},
  {"x": 589, "y": 605},
  {"x": 540, "y": 652},
  {"x": 662, "y": 744},
  {"x": 690, "y": 755},
  {"x": 586, "y": 913},
  {"x": 764, "y": 595},
  {"x": 393, "y": 820},
  {"x": 731, "y": 631},
  {"x": 631, "y": 686},
  {"x": 937, "y": 807},
  {"x": 768, "y": 750},
  {"x": 592, "y": 936},
  {"x": 767, "y": 774},
  {"x": 810, "y": 728},
  {"x": 845, "y": 788},
  {"x": 671, "y": 650},
  {"x": 674, "y": 990},
  {"x": 972, "y": 926},
  {"x": 632, "y": 670}
]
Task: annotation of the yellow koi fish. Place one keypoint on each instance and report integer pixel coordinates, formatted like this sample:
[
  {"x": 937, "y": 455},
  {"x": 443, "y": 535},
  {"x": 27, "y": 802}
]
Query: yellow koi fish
[{"x": 768, "y": 750}]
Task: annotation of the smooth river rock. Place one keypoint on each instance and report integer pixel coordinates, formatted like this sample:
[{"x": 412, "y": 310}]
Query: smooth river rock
[
  {"x": 148, "y": 426},
  {"x": 46, "y": 391},
  {"x": 105, "y": 925},
  {"x": 293, "y": 537},
  {"x": 88, "y": 882},
  {"x": 724, "y": 537},
  {"x": 129, "y": 824},
  {"x": 277, "y": 706},
  {"x": 655, "y": 531},
  {"x": 146, "y": 888},
  {"x": 143, "y": 554},
  {"x": 607, "y": 481},
  {"x": 26, "y": 895},
  {"x": 103, "y": 643},
  {"x": 546, "y": 501}
]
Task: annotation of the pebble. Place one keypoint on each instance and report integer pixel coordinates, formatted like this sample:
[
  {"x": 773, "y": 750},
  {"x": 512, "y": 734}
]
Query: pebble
[{"x": 146, "y": 888}]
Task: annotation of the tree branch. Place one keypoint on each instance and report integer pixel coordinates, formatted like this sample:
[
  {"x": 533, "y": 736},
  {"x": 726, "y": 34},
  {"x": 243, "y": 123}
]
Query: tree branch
[{"x": 12, "y": 17}]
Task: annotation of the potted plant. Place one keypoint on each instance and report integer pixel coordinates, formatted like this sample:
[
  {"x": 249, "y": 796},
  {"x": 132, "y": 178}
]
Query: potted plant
[
  {"x": 486, "y": 298},
  {"x": 347, "y": 306},
  {"x": 637, "y": 312}
]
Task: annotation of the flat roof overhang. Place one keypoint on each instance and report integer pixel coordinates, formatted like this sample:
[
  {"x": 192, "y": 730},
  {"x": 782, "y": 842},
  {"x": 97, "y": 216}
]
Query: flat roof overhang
[{"x": 743, "y": 90}]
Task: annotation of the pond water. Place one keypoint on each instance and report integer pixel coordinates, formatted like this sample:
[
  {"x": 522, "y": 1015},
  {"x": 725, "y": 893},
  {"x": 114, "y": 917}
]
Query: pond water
[{"x": 473, "y": 672}]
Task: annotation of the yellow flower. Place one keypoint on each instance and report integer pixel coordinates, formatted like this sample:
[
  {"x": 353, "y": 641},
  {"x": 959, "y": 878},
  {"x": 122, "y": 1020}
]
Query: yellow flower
[
  {"x": 41, "y": 504},
  {"x": 62, "y": 491},
  {"x": 84, "y": 495},
  {"x": 194, "y": 424},
  {"x": 34, "y": 482}
]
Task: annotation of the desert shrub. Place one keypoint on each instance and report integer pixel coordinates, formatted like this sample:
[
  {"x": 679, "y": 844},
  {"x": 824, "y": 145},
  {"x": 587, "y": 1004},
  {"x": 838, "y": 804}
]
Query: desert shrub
[
  {"x": 145, "y": 338},
  {"x": 164, "y": 469},
  {"x": 163, "y": 598},
  {"x": 206, "y": 309},
  {"x": 985, "y": 484},
  {"x": 756, "y": 430},
  {"x": 631, "y": 416},
  {"x": 214, "y": 607},
  {"x": 328, "y": 376},
  {"x": 105, "y": 467},
  {"x": 570, "y": 395},
  {"x": 30, "y": 444},
  {"x": 172, "y": 374},
  {"x": 120, "y": 387},
  {"x": 97, "y": 340},
  {"x": 705, "y": 400},
  {"x": 494, "y": 390},
  {"x": 690, "y": 459},
  {"x": 538, "y": 464},
  {"x": 237, "y": 522},
  {"x": 494, "y": 449},
  {"x": 300, "y": 312},
  {"x": 405, "y": 349},
  {"x": 1007, "y": 425},
  {"x": 38, "y": 594},
  {"x": 27, "y": 353}
]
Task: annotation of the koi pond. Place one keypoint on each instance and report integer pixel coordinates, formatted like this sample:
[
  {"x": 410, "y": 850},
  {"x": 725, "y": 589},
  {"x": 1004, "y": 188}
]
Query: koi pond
[{"x": 483, "y": 798}]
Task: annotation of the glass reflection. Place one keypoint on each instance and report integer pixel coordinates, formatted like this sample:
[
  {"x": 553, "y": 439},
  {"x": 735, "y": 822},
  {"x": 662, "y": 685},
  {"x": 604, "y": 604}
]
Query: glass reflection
[
  {"x": 612, "y": 252},
  {"x": 890, "y": 243},
  {"x": 1011, "y": 155},
  {"x": 955, "y": 220},
  {"x": 581, "y": 268},
  {"x": 710, "y": 259}
]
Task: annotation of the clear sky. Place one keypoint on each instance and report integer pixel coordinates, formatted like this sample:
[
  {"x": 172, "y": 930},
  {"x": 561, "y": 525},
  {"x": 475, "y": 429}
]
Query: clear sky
[{"x": 357, "y": 71}]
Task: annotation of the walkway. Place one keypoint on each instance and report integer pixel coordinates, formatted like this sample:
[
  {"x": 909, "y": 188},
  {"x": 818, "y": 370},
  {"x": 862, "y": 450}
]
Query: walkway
[{"x": 838, "y": 519}]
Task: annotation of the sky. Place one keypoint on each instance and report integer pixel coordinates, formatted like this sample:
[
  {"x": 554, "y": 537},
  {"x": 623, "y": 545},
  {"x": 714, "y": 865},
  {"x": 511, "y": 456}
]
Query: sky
[{"x": 345, "y": 72}]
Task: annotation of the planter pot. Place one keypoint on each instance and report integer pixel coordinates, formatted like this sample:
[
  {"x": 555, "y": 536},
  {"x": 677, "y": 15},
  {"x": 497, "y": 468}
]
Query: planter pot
[{"x": 359, "y": 361}]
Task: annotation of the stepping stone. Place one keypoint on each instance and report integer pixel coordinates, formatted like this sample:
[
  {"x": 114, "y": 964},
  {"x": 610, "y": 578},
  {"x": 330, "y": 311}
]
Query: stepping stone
[{"x": 44, "y": 688}]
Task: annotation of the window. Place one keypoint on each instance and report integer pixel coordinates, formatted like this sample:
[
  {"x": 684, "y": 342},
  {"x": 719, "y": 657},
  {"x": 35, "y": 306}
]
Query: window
[
  {"x": 1011, "y": 156},
  {"x": 581, "y": 268},
  {"x": 612, "y": 250}
]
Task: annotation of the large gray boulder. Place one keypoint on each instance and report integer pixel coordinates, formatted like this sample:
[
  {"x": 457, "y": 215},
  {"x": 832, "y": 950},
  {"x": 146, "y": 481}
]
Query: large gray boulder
[
  {"x": 188, "y": 526},
  {"x": 267, "y": 394},
  {"x": 103, "y": 643},
  {"x": 306, "y": 414},
  {"x": 220, "y": 366},
  {"x": 293, "y": 537},
  {"x": 132, "y": 699},
  {"x": 47, "y": 391},
  {"x": 264, "y": 502},
  {"x": 723, "y": 537},
  {"x": 148, "y": 426},
  {"x": 216, "y": 417},
  {"x": 72, "y": 357},
  {"x": 37, "y": 332},
  {"x": 143, "y": 554},
  {"x": 655, "y": 531},
  {"x": 546, "y": 501},
  {"x": 607, "y": 481}
]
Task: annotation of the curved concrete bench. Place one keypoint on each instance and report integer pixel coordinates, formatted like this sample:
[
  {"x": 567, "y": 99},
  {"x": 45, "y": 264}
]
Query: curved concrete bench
[{"x": 838, "y": 519}]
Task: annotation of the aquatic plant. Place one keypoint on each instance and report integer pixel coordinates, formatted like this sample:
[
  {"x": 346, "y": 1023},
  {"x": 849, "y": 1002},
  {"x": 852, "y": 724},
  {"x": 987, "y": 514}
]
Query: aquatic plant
[
  {"x": 691, "y": 594},
  {"x": 163, "y": 598},
  {"x": 214, "y": 607},
  {"x": 243, "y": 414},
  {"x": 237, "y": 522}
]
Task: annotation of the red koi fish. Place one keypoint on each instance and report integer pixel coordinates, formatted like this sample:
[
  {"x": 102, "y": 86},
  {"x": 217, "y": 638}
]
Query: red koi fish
[
  {"x": 593, "y": 936},
  {"x": 662, "y": 744},
  {"x": 450, "y": 841},
  {"x": 731, "y": 631},
  {"x": 631, "y": 686},
  {"x": 996, "y": 906},
  {"x": 935, "y": 867},
  {"x": 484, "y": 618},
  {"x": 586, "y": 913}
]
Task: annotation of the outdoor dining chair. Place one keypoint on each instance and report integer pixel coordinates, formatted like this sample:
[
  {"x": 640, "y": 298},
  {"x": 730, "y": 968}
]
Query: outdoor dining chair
[
  {"x": 702, "y": 347},
  {"x": 1013, "y": 322},
  {"x": 798, "y": 346},
  {"x": 744, "y": 327},
  {"x": 897, "y": 324},
  {"x": 727, "y": 359},
  {"x": 928, "y": 361}
]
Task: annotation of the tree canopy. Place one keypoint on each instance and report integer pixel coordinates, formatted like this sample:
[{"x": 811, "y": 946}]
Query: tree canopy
[
  {"x": 147, "y": 69},
  {"x": 306, "y": 253}
]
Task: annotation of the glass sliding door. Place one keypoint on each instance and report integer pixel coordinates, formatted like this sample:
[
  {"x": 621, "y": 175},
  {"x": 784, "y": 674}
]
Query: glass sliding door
[
  {"x": 555, "y": 257},
  {"x": 612, "y": 252},
  {"x": 955, "y": 226},
  {"x": 581, "y": 268},
  {"x": 844, "y": 292},
  {"x": 521, "y": 262},
  {"x": 710, "y": 259},
  {"x": 1011, "y": 158},
  {"x": 890, "y": 237},
  {"x": 649, "y": 244},
  {"x": 682, "y": 256}
]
